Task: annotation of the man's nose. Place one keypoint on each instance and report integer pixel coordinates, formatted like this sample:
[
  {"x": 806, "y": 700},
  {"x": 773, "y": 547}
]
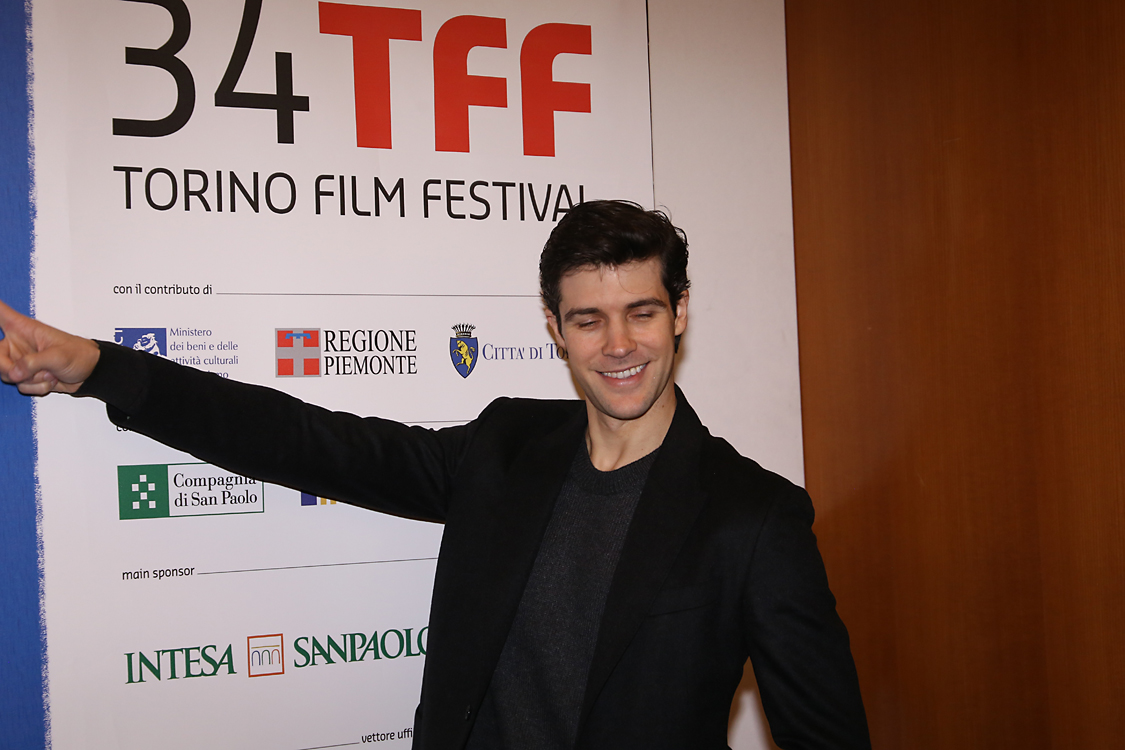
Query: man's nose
[{"x": 619, "y": 340}]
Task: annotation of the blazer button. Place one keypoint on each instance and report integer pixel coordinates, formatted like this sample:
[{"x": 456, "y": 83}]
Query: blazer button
[{"x": 468, "y": 712}]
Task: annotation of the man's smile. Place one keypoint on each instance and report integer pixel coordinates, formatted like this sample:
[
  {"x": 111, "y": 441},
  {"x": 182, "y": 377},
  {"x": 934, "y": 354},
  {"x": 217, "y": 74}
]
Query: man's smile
[{"x": 622, "y": 374}]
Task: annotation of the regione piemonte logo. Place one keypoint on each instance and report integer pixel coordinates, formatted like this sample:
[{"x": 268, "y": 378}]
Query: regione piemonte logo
[
  {"x": 265, "y": 654},
  {"x": 298, "y": 352},
  {"x": 463, "y": 349},
  {"x": 151, "y": 340}
]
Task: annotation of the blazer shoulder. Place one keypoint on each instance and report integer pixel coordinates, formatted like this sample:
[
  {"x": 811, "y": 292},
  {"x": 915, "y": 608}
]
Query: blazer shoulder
[
  {"x": 733, "y": 479},
  {"x": 514, "y": 421},
  {"x": 545, "y": 413}
]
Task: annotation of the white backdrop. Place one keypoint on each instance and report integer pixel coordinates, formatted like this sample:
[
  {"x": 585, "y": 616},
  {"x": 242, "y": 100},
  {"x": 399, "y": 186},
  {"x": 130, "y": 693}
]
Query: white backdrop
[{"x": 204, "y": 589}]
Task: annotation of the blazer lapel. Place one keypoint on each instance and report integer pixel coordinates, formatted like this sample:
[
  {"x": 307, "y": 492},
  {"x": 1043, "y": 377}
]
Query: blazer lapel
[
  {"x": 529, "y": 500},
  {"x": 667, "y": 509},
  {"x": 504, "y": 551}
]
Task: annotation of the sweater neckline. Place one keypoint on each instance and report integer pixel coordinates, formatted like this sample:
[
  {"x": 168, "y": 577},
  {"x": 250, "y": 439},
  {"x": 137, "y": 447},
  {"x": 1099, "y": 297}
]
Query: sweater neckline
[{"x": 631, "y": 476}]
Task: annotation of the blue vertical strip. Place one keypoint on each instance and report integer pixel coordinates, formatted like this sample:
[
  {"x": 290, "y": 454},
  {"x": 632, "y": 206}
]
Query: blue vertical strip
[{"x": 23, "y": 711}]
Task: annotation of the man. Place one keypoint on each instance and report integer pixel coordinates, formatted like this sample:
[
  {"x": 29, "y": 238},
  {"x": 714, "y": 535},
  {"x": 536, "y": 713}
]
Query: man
[{"x": 606, "y": 568}]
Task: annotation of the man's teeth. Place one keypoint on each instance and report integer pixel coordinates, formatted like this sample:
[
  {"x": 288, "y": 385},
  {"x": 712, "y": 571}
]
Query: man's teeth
[{"x": 624, "y": 373}]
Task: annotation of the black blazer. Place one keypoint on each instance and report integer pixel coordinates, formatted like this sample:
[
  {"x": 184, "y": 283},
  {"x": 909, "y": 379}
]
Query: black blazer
[{"x": 719, "y": 563}]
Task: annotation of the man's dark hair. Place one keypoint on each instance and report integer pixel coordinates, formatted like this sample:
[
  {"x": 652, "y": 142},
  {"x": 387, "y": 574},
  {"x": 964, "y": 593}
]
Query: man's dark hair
[{"x": 611, "y": 233}]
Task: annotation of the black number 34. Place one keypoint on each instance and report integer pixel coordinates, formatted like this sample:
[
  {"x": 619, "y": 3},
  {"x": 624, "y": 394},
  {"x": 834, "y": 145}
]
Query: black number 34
[{"x": 283, "y": 101}]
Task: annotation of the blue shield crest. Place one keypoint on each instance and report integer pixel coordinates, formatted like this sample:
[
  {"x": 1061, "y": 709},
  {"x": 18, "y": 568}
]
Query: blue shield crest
[
  {"x": 463, "y": 353},
  {"x": 463, "y": 350}
]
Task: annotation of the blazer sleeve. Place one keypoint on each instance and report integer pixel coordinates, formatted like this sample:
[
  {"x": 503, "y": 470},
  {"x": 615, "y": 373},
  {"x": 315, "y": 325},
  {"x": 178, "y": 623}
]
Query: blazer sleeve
[
  {"x": 798, "y": 645},
  {"x": 268, "y": 435}
]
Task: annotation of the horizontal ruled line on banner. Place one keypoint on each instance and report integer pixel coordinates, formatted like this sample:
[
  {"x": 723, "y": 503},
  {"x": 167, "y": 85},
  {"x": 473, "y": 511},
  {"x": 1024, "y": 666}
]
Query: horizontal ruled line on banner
[
  {"x": 323, "y": 747},
  {"x": 366, "y": 294},
  {"x": 321, "y": 565}
]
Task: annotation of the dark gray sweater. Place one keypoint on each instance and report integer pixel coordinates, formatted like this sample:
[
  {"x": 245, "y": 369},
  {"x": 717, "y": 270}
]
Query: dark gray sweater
[{"x": 536, "y": 692}]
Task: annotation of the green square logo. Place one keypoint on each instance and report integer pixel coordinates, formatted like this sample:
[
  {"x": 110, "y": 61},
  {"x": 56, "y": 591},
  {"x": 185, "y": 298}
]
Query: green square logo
[{"x": 142, "y": 491}]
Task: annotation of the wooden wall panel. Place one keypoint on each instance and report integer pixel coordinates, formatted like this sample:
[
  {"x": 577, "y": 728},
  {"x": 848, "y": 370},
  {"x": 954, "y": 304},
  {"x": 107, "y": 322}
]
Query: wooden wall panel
[{"x": 959, "y": 204}]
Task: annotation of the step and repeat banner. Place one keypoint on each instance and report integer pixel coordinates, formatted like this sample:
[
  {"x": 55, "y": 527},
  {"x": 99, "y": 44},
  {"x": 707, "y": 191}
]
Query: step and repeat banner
[{"x": 342, "y": 201}]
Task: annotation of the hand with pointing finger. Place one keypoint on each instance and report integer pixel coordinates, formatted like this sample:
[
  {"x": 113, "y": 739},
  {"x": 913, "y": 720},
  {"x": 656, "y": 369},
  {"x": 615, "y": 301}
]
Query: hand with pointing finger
[{"x": 39, "y": 359}]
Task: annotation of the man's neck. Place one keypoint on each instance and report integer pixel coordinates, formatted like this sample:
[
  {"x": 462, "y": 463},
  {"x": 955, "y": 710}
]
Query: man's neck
[{"x": 613, "y": 443}]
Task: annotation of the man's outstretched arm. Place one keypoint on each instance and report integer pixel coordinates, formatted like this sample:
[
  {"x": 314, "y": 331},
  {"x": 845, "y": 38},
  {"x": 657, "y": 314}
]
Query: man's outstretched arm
[
  {"x": 249, "y": 429},
  {"x": 39, "y": 359}
]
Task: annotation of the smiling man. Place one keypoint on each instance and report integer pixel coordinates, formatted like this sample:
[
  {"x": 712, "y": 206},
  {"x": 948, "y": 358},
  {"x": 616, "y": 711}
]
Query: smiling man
[
  {"x": 607, "y": 566},
  {"x": 618, "y": 330}
]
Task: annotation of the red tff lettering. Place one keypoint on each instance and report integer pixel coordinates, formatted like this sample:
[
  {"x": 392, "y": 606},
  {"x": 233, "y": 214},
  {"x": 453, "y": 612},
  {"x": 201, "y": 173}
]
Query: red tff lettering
[
  {"x": 542, "y": 94},
  {"x": 371, "y": 30},
  {"x": 454, "y": 89}
]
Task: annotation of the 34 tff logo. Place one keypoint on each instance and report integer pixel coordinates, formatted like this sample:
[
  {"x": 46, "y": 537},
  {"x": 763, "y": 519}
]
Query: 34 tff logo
[{"x": 371, "y": 30}]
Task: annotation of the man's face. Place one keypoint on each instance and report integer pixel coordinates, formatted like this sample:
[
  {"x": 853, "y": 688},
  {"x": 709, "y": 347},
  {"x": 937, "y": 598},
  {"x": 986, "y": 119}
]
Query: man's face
[{"x": 618, "y": 328}]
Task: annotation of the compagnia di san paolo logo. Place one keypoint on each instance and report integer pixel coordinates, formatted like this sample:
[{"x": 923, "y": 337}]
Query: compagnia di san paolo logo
[
  {"x": 187, "y": 489},
  {"x": 266, "y": 654}
]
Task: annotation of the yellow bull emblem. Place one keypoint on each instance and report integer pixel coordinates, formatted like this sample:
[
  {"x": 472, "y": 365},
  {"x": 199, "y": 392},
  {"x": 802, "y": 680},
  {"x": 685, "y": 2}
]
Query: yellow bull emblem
[{"x": 465, "y": 352}]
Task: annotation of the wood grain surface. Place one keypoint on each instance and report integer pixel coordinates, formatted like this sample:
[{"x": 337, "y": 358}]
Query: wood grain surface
[{"x": 959, "y": 210}]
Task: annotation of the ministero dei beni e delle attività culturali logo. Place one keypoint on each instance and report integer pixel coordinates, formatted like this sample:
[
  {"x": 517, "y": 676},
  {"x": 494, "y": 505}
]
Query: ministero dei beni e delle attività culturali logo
[{"x": 151, "y": 340}]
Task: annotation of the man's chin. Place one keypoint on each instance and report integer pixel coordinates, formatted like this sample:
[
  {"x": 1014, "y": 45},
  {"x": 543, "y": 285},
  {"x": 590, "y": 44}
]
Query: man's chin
[{"x": 621, "y": 411}]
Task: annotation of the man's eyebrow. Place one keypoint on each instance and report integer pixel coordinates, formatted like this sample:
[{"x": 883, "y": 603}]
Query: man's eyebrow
[
  {"x": 571, "y": 314},
  {"x": 647, "y": 302},
  {"x": 650, "y": 302}
]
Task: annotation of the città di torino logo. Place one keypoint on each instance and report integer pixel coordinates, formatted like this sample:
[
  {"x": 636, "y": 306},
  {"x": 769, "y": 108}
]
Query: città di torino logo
[
  {"x": 463, "y": 349},
  {"x": 466, "y": 351},
  {"x": 315, "y": 352}
]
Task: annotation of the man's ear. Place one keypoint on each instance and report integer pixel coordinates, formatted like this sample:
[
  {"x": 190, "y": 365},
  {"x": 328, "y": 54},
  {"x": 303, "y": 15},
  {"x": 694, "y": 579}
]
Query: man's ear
[
  {"x": 553, "y": 326},
  {"x": 681, "y": 314},
  {"x": 556, "y": 333}
]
